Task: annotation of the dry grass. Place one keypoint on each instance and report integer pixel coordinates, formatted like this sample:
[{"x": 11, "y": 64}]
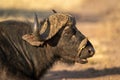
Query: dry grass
[{"x": 40, "y": 4}]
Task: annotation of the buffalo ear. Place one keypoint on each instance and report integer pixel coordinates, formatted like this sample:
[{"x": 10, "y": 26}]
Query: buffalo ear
[{"x": 32, "y": 39}]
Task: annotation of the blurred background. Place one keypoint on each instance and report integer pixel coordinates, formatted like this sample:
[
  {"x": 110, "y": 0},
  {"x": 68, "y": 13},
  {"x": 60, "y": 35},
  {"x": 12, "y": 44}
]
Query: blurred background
[{"x": 99, "y": 20}]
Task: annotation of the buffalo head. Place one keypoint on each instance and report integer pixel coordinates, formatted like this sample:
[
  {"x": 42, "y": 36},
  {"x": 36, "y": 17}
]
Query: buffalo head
[{"x": 59, "y": 32}]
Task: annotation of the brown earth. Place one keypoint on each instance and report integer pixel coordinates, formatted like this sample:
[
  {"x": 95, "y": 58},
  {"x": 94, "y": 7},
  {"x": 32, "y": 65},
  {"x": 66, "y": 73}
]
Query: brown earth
[{"x": 99, "y": 20}]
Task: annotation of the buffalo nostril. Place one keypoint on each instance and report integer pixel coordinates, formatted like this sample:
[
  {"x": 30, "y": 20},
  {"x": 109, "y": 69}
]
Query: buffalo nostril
[{"x": 91, "y": 52}]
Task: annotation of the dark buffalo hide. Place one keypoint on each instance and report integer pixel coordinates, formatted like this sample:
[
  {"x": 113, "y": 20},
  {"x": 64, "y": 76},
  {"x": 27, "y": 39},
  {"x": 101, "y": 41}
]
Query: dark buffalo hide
[{"x": 20, "y": 59}]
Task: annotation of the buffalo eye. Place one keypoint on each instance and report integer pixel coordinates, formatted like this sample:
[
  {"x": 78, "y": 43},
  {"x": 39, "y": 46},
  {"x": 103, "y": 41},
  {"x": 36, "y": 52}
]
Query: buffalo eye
[{"x": 68, "y": 33}]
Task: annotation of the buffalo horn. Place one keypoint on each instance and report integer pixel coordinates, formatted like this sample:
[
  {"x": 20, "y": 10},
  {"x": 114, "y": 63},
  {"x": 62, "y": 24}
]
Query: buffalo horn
[
  {"x": 54, "y": 11},
  {"x": 36, "y": 26}
]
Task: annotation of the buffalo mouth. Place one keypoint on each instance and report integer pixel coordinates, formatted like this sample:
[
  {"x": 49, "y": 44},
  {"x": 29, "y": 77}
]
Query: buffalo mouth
[{"x": 82, "y": 60}]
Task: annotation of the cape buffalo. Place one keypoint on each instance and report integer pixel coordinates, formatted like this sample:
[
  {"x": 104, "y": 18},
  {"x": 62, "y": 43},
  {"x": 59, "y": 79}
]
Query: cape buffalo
[{"x": 28, "y": 51}]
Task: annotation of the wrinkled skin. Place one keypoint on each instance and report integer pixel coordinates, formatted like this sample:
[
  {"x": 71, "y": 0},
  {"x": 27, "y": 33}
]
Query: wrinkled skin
[{"x": 21, "y": 58}]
